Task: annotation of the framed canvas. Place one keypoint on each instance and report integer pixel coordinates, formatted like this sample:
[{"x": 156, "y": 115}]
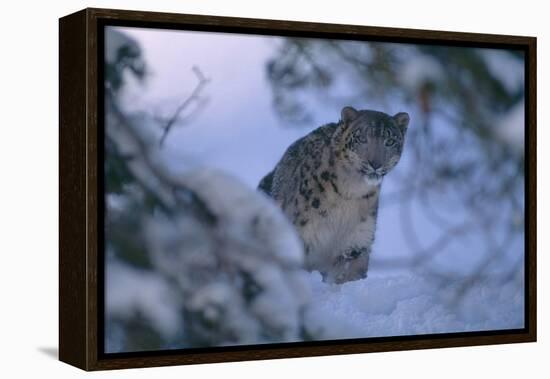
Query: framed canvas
[{"x": 239, "y": 189}]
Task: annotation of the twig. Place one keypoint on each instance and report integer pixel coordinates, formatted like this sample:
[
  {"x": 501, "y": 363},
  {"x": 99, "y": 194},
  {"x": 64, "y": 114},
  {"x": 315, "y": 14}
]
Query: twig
[{"x": 194, "y": 96}]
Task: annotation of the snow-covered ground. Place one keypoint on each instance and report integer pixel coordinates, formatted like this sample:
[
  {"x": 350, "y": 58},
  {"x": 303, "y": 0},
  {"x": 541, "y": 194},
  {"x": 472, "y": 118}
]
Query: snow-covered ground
[
  {"x": 400, "y": 305},
  {"x": 411, "y": 305}
]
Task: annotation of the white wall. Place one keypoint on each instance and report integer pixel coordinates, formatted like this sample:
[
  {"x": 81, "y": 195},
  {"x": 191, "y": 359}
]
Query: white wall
[{"x": 28, "y": 198}]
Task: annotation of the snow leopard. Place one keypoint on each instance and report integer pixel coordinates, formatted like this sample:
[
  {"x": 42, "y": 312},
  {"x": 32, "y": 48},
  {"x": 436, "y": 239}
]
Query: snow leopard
[{"x": 328, "y": 184}]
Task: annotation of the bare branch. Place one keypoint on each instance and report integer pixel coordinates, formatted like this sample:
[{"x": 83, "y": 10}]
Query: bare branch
[{"x": 193, "y": 97}]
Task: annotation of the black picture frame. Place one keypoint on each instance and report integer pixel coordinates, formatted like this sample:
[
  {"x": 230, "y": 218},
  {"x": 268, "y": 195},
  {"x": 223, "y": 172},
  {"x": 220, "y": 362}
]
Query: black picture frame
[{"x": 81, "y": 300}]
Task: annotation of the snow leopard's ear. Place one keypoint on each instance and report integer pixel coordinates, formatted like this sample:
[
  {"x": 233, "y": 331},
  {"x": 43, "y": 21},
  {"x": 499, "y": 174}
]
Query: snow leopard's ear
[
  {"x": 402, "y": 121},
  {"x": 349, "y": 114}
]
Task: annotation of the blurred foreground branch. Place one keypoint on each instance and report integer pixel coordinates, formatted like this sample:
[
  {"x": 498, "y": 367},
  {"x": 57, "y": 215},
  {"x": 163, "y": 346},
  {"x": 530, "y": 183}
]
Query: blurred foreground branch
[{"x": 195, "y": 260}]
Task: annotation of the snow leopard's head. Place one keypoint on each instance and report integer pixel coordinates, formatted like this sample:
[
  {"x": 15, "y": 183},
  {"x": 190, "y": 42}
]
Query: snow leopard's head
[{"x": 373, "y": 141}]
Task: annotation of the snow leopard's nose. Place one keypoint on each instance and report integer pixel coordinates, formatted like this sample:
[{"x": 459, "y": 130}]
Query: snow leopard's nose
[{"x": 375, "y": 165}]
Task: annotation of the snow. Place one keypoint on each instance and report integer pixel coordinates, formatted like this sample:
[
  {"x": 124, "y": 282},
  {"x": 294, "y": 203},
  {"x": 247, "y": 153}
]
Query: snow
[
  {"x": 419, "y": 71},
  {"x": 511, "y": 128},
  {"x": 509, "y": 71},
  {"x": 383, "y": 306},
  {"x": 133, "y": 291},
  {"x": 236, "y": 280},
  {"x": 410, "y": 305},
  {"x": 228, "y": 197}
]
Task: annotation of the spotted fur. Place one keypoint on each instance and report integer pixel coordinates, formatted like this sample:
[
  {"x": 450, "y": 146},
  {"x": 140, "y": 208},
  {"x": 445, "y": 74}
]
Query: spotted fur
[{"x": 328, "y": 184}]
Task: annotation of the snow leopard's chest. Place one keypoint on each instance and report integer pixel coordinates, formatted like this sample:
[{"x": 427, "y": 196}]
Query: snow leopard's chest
[{"x": 336, "y": 223}]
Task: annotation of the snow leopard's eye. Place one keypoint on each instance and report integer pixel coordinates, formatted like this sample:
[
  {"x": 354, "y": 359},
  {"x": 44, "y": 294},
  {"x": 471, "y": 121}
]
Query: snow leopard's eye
[
  {"x": 354, "y": 254},
  {"x": 390, "y": 142}
]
